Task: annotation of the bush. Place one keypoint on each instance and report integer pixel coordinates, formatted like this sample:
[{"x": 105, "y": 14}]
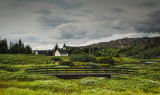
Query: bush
[
  {"x": 8, "y": 68},
  {"x": 104, "y": 65},
  {"x": 83, "y": 58},
  {"x": 22, "y": 76},
  {"x": 91, "y": 64},
  {"x": 56, "y": 58},
  {"x": 124, "y": 77},
  {"x": 68, "y": 63},
  {"x": 88, "y": 81},
  {"x": 153, "y": 76},
  {"x": 108, "y": 60}
]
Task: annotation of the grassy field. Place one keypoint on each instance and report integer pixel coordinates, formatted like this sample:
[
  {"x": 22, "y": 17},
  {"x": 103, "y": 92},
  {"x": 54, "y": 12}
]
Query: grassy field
[{"x": 14, "y": 81}]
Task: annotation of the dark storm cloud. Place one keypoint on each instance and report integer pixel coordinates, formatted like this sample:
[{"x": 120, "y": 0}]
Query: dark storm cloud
[
  {"x": 65, "y": 5},
  {"x": 148, "y": 4},
  {"x": 149, "y": 23},
  {"x": 44, "y": 12},
  {"x": 27, "y": 0},
  {"x": 53, "y": 21},
  {"x": 42, "y": 22},
  {"x": 60, "y": 3}
]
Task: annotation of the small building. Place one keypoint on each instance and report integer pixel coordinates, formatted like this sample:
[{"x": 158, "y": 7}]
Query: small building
[
  {"x": 40, "y": 52},
  {"x": 62, "y": 52}
]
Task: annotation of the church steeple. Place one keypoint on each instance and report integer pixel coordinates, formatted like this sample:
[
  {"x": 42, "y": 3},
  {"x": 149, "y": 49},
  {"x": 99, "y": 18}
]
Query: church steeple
[{"x": 64, "y": 46}]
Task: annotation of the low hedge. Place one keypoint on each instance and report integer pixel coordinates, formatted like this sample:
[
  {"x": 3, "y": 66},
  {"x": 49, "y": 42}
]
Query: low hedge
[{"x": 66, "y": 63}]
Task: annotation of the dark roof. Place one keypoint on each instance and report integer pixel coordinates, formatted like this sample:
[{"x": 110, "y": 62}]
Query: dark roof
[
  {"x": 62, "y": 51},
  {"x": 42, "y": 52}
]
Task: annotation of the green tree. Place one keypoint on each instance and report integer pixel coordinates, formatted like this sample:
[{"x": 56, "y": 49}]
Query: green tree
[
  {"x": 56, "y": 47},
  {"x": 108, "y": 60}
]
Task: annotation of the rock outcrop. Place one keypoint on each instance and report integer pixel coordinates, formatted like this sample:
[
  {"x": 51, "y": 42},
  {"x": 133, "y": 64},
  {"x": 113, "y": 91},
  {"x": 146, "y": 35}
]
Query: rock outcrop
[{"x": 145, "y": 41}]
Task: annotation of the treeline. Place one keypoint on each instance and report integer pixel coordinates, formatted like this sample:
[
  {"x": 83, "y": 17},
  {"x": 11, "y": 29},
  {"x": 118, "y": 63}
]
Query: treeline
[
  {"x": 95, "y": 51},
  {"x": 141, "y": 52},
  {"x": 14, "y": 48},
  {"x": 138, "y": 52}
]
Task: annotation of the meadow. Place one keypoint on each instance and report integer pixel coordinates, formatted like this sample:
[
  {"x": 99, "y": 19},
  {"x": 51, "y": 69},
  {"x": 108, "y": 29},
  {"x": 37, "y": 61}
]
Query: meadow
[{"x": 15, "y": 81}]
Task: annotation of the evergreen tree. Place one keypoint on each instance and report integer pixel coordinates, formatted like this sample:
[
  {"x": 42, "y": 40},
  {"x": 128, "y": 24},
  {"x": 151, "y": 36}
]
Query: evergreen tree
[
  {"x": 28, "y": 49},
  {"x": 56, "y": 47},
  {"x": 19, "y": 48},
  {"x": 3, "y": 46}
]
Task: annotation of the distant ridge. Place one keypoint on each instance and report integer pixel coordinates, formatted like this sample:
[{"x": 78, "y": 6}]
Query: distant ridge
[{"x": 145, "y": 41}]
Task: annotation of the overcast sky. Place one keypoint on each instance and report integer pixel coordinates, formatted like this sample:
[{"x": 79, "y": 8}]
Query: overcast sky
[{"x": 43, "y": 23}]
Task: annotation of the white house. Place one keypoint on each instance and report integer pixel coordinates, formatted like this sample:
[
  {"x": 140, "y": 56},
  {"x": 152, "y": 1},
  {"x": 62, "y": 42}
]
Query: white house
[{"x": 61, "y": 52}]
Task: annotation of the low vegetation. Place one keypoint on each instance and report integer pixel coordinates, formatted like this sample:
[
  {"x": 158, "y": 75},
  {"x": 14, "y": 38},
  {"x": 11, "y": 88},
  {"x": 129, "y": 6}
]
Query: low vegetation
[
  {"x": 138, "y": 52},
  {"x": 15, "y": 81},
  {"x": 66, "y": 63},
  {"x": 108, "y": 60},
  {"x": 83, "y": 58}
]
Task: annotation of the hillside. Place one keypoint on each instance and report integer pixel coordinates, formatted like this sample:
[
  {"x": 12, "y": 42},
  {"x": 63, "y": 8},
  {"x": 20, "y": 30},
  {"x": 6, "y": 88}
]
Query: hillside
[{"x": 145, "y": 41}]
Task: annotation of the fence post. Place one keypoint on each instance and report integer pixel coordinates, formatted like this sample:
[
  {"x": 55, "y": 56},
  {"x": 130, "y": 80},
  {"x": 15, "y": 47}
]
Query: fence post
[
  {"x": 56, "y": 71},
  {"x": 46, "y": 71},
  {"x": 26, "y": 71},
  {"x": 86, "y": 71}
]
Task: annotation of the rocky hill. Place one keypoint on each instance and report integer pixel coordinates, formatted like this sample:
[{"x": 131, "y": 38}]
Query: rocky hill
[{"x": 145, "y": 41}]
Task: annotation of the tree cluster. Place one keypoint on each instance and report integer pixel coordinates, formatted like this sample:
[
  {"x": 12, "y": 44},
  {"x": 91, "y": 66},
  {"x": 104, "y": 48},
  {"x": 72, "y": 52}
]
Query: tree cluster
[
  {"x": 108, "y": 60},
  {"x": 139, "y": 52},
  {"x": 14, "y": 48},
  {"x": 95, "y": 51}
]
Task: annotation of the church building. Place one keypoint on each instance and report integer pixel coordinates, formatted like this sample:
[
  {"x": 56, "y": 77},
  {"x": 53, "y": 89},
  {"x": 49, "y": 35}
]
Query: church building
[{"x": 61, "y": 52}]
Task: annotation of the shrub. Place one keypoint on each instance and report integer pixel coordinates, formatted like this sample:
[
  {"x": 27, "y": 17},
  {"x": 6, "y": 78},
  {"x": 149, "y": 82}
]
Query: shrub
[
  {"x": 8, "y": 68},
  {"x": 153, "y": 76},
  {"x": 68, "y": 63},
  {"x": 108, "y": 60},
  {"x": 83, "y": 58},
  {"x": 22, "y": 76},
  {"x": 56, "y": 58},
  {"x": 124, "y": 77},
  {"x": 88, "y": 81},
  {"x": 91, "y": 64},
  {"x": 104, "y": 65}
]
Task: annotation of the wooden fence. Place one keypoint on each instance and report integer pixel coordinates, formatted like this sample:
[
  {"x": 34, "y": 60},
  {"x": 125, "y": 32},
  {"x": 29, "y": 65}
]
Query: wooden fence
[{"x": 83, "y": 71}]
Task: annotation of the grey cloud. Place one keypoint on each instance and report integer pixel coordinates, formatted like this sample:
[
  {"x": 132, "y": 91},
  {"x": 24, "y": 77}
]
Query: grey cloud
[
  {"x": 120, "y": 25},
  {"x": 70, "y": 31},
  {"x": 88, "y": 11},
  {"x": 60, "y": 3},
  {"x": 53, "y": 21},
  {"x": 148, "y": 4},
  {"x": 44, "y": 12},
  {"x": 65, "y": 5},
  {"x": 149, "y": 23},
  {"x": 27, "y": 0},
  {"x": 117, "y": 10},
  {"x": 103, "y": 18},
  {"x": 73, "y": 31}
]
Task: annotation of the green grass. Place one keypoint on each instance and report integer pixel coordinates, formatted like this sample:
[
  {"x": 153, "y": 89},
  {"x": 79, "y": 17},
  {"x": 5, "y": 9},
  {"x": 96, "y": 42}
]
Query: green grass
[
  {"x": 83, "y": 86},
  {"x": 21, "y": 83},
  {"x": 15, "y": 59}
]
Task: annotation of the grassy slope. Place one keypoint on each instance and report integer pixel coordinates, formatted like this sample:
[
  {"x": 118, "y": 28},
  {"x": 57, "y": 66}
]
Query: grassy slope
[
  {"x": 19, "y": 83},
  {"x": 15, "y": 59},
  {"x": 27, "y": 59}
]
